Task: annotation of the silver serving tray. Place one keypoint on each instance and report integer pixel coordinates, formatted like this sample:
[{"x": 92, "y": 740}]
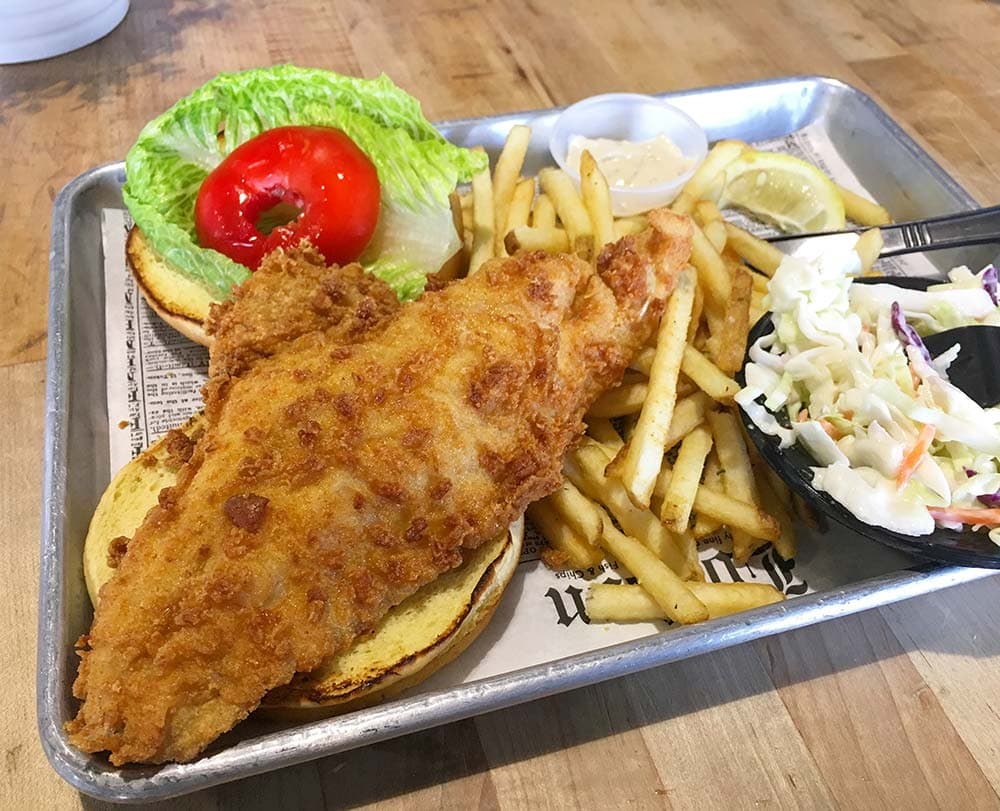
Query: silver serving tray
[{"x": 900, "y": 175}]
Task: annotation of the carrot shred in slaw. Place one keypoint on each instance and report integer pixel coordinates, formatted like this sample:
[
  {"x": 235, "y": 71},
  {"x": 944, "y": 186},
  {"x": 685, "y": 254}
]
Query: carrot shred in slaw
[{"x": 912, "y": 457}]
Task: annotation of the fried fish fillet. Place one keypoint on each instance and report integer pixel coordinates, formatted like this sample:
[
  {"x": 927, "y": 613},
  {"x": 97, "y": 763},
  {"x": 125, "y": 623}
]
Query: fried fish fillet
[
  {"x": 332, "y": 483},
  {"x": 294, "y": 293}
]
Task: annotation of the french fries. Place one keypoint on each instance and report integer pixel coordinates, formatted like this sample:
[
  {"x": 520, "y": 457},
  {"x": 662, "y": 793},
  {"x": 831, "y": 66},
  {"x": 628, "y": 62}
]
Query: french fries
[
  {"x": 623, "y": 603},
  {"x": 670, "y": 592},
  {"x": 641, "y": 461},
  {"x": 727, "y": 510},
  {"x": 585, "y": 468},
  {"x": 544, "y": 213},
  {"x": 702, "y": 183},
  {"x": 626, "y": 399},
  {"x": 868, "y": 248},
  {"x": 536, "y": 238},
  {"x": 577, "y": 511},
  {"x": 505, "y": 178},
  {"x": 731, "y": 342},
  {"x": 620, "y": 494},
  {"x": 678, "y": 501},
  {"x": 715, "y": 231},
  {"x": 520, "y": 205},
  {"x": 757, "y": 252},
  {"x": 571, "y": 210},
  {"x": 738, "y": 477},
  {"x": 579, "y": 553},
  {"x": 483, "y": 225},
  {"x": 601, "y": 429},
  {"x": 597, "y": 199},
  {"x": 707, "y": 376},
  {"x": 712, "y": 274},
  {"x": 862, "y": 211}
]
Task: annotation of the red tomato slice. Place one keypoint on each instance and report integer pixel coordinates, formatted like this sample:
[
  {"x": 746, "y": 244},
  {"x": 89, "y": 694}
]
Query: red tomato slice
[{"x": 318, "y": 170}]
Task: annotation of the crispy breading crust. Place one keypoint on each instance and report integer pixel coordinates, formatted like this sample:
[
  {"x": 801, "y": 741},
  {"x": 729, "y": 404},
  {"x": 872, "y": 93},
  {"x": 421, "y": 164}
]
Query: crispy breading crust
[{"x": 331, "y": 484}]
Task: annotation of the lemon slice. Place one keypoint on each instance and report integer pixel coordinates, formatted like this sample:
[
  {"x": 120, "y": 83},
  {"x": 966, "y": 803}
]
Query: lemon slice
[{"x": 783, "y": 190}]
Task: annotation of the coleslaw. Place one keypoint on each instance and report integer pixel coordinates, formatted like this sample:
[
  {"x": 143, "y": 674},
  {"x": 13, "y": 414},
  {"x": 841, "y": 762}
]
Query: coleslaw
[{"x": 846, "y": 375}]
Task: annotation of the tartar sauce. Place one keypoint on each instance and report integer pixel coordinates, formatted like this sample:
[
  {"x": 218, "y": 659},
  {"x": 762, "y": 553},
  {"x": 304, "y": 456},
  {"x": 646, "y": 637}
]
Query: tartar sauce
[{"x": 631, "y": 164}]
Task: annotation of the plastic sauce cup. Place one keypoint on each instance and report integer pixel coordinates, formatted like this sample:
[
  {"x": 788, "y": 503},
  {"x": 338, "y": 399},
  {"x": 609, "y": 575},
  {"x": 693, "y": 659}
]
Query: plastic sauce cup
[{"x": 630, "y": 117}]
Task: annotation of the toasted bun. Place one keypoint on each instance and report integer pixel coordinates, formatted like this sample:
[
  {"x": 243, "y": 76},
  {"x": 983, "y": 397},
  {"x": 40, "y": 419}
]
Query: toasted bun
[
  {"x": 412, "y": 641},
  {"x": 178, "y": 300}
]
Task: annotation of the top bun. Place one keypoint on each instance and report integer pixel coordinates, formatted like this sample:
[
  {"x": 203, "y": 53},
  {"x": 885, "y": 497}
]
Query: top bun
[{"x": 181, "y": 302}]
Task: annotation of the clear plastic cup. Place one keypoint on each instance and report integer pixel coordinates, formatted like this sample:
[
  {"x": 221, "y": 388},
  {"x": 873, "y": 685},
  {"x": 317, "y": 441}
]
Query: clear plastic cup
[{"x": 630, "y": 117}]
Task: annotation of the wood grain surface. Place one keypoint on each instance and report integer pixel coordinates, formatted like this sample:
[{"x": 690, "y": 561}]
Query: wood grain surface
[{"x": 895, "y": 708}]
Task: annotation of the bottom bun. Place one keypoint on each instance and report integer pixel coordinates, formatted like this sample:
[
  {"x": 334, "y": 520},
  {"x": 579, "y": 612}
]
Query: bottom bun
[
  {"x": 181, "y": 302},
  {"x": 414, "y": 640}
]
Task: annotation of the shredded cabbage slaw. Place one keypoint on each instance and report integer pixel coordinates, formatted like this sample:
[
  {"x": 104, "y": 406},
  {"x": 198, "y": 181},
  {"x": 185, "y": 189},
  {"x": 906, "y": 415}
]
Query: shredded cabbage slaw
[{"x": 895, "y": 442}]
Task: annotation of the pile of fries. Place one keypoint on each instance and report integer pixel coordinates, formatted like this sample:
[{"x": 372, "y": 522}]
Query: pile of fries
[{"x": 665, "y": 463}]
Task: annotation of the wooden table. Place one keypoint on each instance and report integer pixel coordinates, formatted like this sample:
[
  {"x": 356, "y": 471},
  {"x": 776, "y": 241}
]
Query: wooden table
[{"x": 898, "y": 707}]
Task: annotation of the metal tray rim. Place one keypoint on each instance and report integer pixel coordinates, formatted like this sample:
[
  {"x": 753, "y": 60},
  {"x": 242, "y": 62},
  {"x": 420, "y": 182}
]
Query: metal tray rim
[{"x": 431, "y": 709}]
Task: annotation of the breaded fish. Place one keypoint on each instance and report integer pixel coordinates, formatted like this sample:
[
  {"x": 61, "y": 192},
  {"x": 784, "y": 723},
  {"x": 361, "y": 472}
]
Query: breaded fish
[{"x": 332, "y": 483}]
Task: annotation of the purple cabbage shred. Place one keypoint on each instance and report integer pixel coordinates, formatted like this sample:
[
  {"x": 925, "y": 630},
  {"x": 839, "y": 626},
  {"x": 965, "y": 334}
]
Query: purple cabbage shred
[
  {"x": 987, "y": 499},
  {"x": 990, "y": 283},
  {"x": 907, "y": 335}
]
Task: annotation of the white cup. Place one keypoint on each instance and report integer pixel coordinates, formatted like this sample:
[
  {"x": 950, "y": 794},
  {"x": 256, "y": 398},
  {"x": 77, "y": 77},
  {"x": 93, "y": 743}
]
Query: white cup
[{"x": 38, "y": 29}]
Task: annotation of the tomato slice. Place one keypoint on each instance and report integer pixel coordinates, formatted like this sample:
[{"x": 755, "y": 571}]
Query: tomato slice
[{"x": 319, "y": 171}]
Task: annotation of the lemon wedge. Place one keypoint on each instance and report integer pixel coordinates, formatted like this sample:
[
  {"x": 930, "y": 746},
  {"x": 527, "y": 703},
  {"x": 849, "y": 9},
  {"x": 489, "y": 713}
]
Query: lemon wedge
[{"x": 783, "y": 190}]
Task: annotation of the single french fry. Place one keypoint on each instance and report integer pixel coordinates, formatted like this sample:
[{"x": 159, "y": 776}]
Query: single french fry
[
  {"x": 505, "y": 178},
  {"x": 734, "y": 460},
  {"x": 712, "y": 274},
  {"x": 787, "y": 544},
  {"x": 861, "y": 210},
  {"x": 758, "y": 254},
  {"x": 626, "y": 227},
  {"x": 483, "y": 225},
  {"x": 597, "y": 199},
  {"x": 641, "y": 462},
  {"x": 608, "y": 602},
  {"x": 704, "y": 182},
  {"x": 601, "y": 429},
  {"x": 759, "y": 282},
  {"x": 731, "y": 343},
  {"x": 577, "y": 511},
  {"x": 532, "y": 238},
  {"x": 738, "y": 476},
  {"x": 868, "y": 248},
  {"x": 626, "y": 399},
  {"x": 705, "y": 211},
  {"x": 670, "y": 592},
  {"x": 737, "y": 514},
  {"x": 458, "y": 263},
  {"x": 689, "y": 413},
  {"x": 570, "y": 208},
  {"x": 520, "y": 205},
  {"x": 697, "y": 311},
  {"x": 715, "y": 230},
  {"x": 643, "y": 360},
  {"x": 560, "y": 537},
  {"x": 543, "y": 215},
  {"x": 675, "y": 512},
  {"x": 708, "y": 377},
  {"x": 585, "y": 465},
  {"x": 704, "y": 526}
]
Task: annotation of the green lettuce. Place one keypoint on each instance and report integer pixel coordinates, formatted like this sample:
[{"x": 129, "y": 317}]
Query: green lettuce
[{"x": 417, "y": 168}]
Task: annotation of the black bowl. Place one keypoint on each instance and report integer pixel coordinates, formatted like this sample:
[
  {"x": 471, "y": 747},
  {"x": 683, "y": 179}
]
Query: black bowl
[{"x": 966, "y": 548}]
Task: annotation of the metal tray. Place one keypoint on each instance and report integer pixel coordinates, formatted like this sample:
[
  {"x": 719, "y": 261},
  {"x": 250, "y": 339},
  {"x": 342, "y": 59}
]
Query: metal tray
[{"x": 898, "y": 172}]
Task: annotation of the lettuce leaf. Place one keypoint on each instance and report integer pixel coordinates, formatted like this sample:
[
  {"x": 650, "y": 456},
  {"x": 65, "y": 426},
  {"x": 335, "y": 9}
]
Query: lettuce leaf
[{"x": 417, "y": 168}]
